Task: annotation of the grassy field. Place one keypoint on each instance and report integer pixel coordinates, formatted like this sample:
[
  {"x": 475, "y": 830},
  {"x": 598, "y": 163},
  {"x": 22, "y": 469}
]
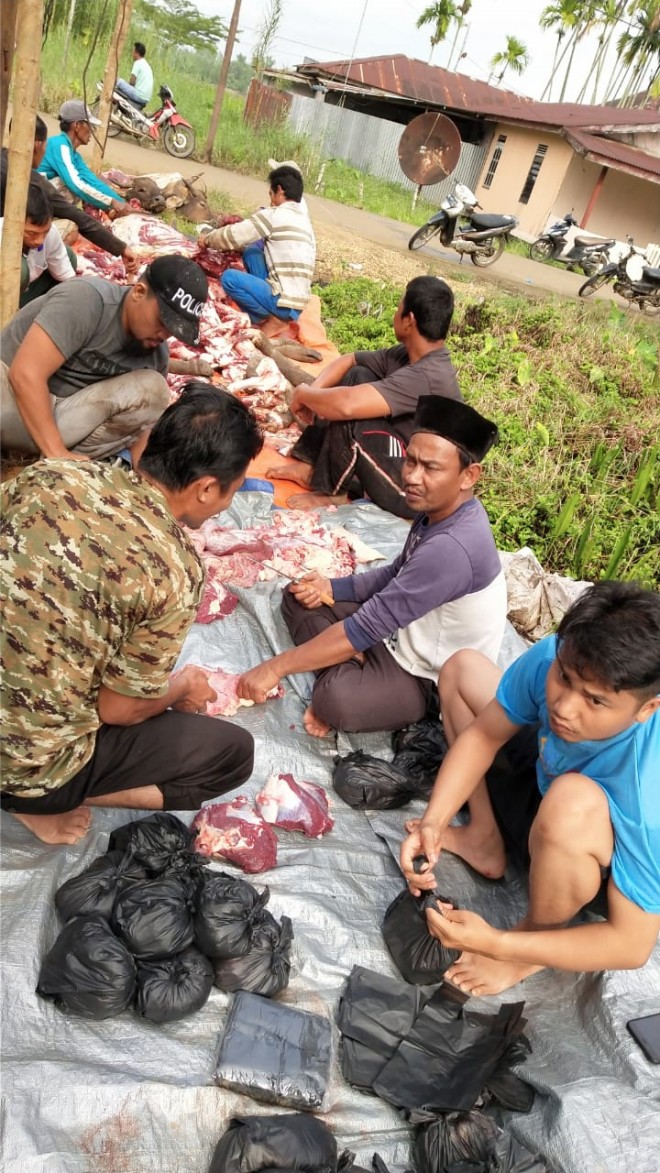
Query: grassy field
[{"x": 575, "y": 392}]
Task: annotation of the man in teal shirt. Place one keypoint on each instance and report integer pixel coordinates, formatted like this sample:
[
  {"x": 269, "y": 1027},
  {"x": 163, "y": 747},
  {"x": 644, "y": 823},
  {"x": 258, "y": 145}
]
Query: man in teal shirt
[
  {"x": 140, "y": 86},
  {"x": 65, "y": 167}
]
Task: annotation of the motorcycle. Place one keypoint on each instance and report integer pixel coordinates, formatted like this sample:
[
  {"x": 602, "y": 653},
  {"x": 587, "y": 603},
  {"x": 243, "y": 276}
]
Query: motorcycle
[
  {"x": 636, "y": 282},
  {"x": 586, "y": 252},
  {"x": 483, "y": 237},
  {"x": 176, "y": 132}
]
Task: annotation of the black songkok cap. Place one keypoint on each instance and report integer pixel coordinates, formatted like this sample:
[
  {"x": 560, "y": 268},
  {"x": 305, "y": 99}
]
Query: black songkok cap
[{"x": 456, "y": 422}]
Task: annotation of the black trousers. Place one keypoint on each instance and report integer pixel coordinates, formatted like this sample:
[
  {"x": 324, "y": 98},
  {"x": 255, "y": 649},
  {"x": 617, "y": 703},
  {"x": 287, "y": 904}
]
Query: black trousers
[
  {"x": 375, "y": 696},
  {"x": 189, "y": 757},
  {"x": 358, "y": 457}
]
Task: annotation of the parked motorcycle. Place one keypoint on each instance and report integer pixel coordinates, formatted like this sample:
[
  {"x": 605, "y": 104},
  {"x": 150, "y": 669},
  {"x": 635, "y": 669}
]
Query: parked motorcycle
[
  {"x": 586, "y": 253},
  {"x": 633, "y": 280},
  {"x": 483, "y": 237},
  {"x": 176, "y": 132}
]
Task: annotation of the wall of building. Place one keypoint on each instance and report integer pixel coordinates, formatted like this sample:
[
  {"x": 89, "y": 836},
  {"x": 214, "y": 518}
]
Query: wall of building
[
  {"x": 518, "y": 153},
  {"x": 627, "y": 206}
]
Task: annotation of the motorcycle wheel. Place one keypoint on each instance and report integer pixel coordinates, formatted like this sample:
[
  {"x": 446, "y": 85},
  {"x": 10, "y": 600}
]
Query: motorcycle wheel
[
  {"x": 594, "y": 265},
  {"x": 541, "y": 250},
  {"x": 179, "y": 141},
  {"x": 422, "y": 236},
  {"x": 592, "y": 285},
  {"x": 113, "y": 129},
  {"x": 497, "y": 244},
  {"x": 650, "y": 305}
]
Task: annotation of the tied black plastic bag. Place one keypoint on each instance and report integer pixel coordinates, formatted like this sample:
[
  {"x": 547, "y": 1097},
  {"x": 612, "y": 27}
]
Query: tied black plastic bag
[
  {"x": 419, "y": 957},
  {"x": 227, "y": 908},
  {"x": 88, "y": 971},
  {"x": 170, "y": 989},
  {"x": 275, "y": 1053},
  {"x": 159, "y": 842},
  {"x": 419, "y": 751},
  {"x": 92, "y": 892},
  {"x": 253, "y": 1143},
  {"x": 449, "y": 1055},
  {"x": 154, "y": 918},
  {"x": 471, "y": 1142},
  {"x": 265, "y": 968},
  {"x": 369, "y": 783}
]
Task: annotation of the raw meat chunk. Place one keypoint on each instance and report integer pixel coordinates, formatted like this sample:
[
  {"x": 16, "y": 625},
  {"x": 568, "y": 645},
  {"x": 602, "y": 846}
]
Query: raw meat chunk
[
  {"x": 295, "y": 806},
  {"x": 233, "y": 831},
  {"x": 217, "y": 602},
  {"x": 227, "y": 702}
]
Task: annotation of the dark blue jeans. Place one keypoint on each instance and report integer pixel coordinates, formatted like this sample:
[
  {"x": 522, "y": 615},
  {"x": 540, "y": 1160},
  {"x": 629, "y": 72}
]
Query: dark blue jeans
[{"x": 251, "y": 291}]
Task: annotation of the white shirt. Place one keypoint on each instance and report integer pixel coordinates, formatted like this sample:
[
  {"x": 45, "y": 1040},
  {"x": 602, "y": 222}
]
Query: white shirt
[
  {"x": 144, "y": 79},
  {"x": 51, "y": 256}
]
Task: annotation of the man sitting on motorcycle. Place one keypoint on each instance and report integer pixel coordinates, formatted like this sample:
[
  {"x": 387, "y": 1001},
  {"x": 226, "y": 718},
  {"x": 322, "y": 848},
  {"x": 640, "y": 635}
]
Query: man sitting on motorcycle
[
  {"x": 360, "y": 408},
  {"x": 279, "y": 252},
  {"x": 140, "y": 86},
  {"x": 65, "y": 167}
]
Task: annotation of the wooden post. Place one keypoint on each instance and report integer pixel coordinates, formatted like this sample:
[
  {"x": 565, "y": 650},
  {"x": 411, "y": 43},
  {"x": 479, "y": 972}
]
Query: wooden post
[
  {"x": 593, "y": 197},
  {"x": 7, "y": 39},
  {"x": 117, "y": 43},
  {"x": 27, "y": 81},
  {"x": 222, "y": 81}
]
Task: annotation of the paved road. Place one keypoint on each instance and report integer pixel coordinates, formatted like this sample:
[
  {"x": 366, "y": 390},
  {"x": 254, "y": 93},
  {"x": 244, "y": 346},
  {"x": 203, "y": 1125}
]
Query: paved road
[{"x": 249, "y": 192}]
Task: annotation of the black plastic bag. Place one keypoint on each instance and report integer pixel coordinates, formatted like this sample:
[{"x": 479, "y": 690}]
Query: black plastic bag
[
  {"x": 174, "y": 987},
  {"x": 265, "y": 968},
  {"x": 253, "y": 1143},
  {"x": 419, "y": 751},
  {"x": 369, "y": 783},
  {"x": 154, "y": 918},
  {"x": 92, "y": 892},
  {"x": 227, "y": 908},
  {"x": 420, "y": 958},
  {"x": 275, "y": 1053},
  {"x": 88, "y": 971},
  {"x": 471, "y": 1142},
  {"x": 450, "y": 1053},
  {"x": 159, "y": 842},
  {"x": 346, "y": 1164}
]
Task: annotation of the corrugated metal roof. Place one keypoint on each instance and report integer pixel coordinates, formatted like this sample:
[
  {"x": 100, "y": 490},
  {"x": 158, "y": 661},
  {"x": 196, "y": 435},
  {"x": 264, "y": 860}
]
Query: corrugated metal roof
[
  {"x": 430, "y": 85},
  {"x": 611, "y": 153}
]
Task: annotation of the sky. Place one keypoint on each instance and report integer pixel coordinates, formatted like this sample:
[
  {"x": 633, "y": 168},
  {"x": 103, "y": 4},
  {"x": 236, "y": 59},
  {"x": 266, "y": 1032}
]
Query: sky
[{"x": 327, "y": 30}]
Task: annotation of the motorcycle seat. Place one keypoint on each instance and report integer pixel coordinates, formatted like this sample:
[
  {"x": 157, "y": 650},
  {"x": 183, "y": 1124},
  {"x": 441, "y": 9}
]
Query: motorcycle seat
[
  {"x": 589, "y": 242},
  {"x": 651, "y": 274},
  {"x": 484, "y": 220}
]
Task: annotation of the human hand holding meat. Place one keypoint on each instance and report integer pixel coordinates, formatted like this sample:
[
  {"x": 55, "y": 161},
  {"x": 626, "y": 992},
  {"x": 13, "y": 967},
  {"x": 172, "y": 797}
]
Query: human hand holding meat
[
  {"x": 311, "y": 589},
  {"x": 256, "y": 684},
  {"x": 119, "y": 208},
  {"x": 131, "y": 261},
  {"x": 196, "y": 692}
]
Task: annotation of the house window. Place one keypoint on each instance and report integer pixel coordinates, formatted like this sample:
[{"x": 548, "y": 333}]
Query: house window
[
  {"x": 492, "y": 166},
  {"x": 533, "y": 173}
]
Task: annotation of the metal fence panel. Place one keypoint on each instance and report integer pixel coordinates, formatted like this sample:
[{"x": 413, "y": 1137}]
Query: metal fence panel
[{"x": 371, "y": 145}]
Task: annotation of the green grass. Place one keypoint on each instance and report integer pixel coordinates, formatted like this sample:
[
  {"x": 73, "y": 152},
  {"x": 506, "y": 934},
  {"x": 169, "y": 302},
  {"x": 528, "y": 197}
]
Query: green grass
[{"x": 575, "y": 392}]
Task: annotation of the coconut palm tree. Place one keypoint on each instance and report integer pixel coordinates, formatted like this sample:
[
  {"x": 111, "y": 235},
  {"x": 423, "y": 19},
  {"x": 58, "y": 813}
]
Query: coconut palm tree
[
  {"x": 440, "y": 15},
  {"x": 514, "y": 57},
  {"x": 640, "y": 48}
]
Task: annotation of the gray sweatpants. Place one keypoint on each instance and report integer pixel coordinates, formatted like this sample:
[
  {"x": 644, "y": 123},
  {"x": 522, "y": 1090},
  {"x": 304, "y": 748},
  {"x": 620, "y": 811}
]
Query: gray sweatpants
[{"x": 99, "y": 420}]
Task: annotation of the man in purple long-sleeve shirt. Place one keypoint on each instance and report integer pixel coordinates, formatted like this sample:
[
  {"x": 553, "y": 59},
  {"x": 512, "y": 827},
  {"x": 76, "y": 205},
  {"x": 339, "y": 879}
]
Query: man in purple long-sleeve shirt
[{"x": 379, "y": 648}]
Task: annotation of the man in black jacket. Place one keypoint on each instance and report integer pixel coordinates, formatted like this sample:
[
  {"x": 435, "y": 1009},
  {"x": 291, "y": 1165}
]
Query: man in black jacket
[{"x": 62, "y": 209}]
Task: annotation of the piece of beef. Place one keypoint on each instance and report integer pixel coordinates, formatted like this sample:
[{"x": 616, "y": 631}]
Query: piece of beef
[
  {"x": 295, "y": 806},
  {"x": 233, "y": 831},
  {"x": 217, "y": 602}
]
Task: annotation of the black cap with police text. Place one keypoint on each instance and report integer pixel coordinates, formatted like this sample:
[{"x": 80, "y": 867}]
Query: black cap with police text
[
  {"x": 182, "y": 289},
  {"x": 456, "y": 422}
]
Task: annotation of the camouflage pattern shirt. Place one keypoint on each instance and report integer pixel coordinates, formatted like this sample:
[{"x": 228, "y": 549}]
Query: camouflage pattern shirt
[{"x": 99, "y": 585}]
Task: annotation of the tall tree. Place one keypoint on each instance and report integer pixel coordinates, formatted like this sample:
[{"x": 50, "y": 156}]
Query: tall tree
[
  {"x": 640, "y": 48},
  {"x": 117, "y": 42},
  {"x": 179, "y": 23},
  {"x": 459, "y": 21},
  {"x": 515, "y": 57},
  {"x": 440, "y": 15},
  {"x": 266, "y": 35},
  {"x": 7, "y": 41},
  {"x": 561, "y": 17}
]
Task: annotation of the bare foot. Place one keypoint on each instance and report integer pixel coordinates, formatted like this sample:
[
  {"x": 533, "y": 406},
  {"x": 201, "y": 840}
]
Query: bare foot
[
  {"x": 314, "y": 725},
  {"x": 314, "y": 500},
  {"x": 480, "y": 976},
  {"x": 299, "y": 473},
  {"x": 65, "y": 828},
  {"x": 484, "y": 853}
]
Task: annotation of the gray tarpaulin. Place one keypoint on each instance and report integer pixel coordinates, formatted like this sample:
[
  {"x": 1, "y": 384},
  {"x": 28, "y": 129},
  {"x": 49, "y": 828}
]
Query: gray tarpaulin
[{"x": 125, "y": 1096}]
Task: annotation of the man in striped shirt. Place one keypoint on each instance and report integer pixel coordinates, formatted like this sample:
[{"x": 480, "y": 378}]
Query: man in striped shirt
[{"x": 279, "y": 252}]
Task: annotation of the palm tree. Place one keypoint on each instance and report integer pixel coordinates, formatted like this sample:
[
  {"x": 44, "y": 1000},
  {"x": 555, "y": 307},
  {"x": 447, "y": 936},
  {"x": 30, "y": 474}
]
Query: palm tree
[
  {"x": 608, "y": 17},
  {"x": 440, "y": 15},
  {"x": 514, "y": 57},
  {"x": 459, "y": 20},
  {"x": 564, "y": 17},
  {"x": 640, "y": 47}
]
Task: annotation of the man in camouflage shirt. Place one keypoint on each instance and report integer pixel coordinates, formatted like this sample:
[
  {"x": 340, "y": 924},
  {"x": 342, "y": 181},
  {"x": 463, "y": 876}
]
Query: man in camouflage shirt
[{"x": 100, "y": 586}]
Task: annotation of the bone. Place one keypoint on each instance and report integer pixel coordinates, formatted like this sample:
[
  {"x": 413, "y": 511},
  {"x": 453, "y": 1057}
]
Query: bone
[
  {"x": 190, "y": 366},
  {"x": 294, "y": 374}
]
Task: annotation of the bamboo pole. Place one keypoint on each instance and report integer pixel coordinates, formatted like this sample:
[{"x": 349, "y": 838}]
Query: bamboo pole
[
  {"x": 27, "y": 80},
  {"x": 69, "y": 27},
  {"x": 7, "y": 39},
  {"x": 119, "y": 35},
  {"x": 222, "y": 81}
]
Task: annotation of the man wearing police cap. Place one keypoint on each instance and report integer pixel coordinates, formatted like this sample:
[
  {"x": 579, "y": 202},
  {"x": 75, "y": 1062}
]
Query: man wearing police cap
[
  {"x": 83, "y": 370},
  {"x": 378, "y": 650}
]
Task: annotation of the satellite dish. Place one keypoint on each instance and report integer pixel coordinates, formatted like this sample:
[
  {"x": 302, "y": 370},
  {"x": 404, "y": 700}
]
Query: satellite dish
[{"x": 429, "y": 148}]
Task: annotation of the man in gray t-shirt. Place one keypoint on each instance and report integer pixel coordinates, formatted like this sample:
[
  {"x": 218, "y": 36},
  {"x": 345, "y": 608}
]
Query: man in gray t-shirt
[
  {"x": 360, "y": 409},
  {"x": 83, "y": 368}
]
